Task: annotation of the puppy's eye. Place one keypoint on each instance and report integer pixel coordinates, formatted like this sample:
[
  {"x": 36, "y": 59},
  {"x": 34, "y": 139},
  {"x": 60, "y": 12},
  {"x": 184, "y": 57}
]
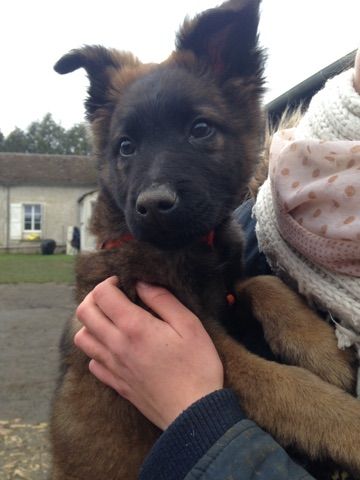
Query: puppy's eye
[
  {"x": 201, "y": 129},
  {"x": 127, "y": 147}
]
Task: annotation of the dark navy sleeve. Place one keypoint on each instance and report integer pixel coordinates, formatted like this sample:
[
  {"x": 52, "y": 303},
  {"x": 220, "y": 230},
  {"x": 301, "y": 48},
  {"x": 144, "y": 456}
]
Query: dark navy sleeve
[
  {"x": 191, "y": 435},
  {"x": 245, "y": 452},
  {"x": 213, "y": 440},
  {"x": 255, "y": 262}
]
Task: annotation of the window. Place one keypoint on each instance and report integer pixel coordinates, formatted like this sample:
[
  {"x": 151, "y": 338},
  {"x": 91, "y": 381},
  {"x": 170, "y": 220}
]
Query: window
[{"x": 32, "y": 218}]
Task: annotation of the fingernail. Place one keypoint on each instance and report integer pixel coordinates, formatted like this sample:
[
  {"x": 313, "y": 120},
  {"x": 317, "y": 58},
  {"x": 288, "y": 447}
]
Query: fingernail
[
  {"x": 113, "y": 279},
  {"x": 143, "y": 285}
]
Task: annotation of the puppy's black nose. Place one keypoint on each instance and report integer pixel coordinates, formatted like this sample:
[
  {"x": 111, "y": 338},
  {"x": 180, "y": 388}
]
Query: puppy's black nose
[{"x": 156, "y": 201}]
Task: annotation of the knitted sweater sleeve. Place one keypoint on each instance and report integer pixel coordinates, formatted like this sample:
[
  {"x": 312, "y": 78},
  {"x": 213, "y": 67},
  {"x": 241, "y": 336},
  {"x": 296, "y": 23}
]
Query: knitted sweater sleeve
[{"x": 334, "y": 112}]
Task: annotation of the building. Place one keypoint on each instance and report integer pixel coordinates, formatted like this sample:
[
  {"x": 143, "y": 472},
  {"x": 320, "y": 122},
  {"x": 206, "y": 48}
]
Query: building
[{"x": 41, "y": 196}]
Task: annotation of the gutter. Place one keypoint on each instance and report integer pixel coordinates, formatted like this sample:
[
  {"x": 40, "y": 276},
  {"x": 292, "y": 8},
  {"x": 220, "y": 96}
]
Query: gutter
[{"x": 302, "y": 93}]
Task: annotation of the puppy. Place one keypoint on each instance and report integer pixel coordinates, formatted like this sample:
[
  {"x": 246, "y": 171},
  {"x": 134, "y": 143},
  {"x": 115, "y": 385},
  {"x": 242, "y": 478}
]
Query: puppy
[{"x": 177, "y": 144}]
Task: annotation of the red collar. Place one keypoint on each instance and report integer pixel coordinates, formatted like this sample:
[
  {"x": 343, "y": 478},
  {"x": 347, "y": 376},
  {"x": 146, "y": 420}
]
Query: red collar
[
  {"x": 127, "y": 237},
  {"x": 209, "y": 238},
  {"x": 116, "y": 242}
]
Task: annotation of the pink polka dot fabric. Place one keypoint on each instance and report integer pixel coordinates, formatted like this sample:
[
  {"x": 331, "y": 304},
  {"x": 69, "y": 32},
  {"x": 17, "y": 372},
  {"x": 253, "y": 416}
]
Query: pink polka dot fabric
[{"x": 316, "y": 191}]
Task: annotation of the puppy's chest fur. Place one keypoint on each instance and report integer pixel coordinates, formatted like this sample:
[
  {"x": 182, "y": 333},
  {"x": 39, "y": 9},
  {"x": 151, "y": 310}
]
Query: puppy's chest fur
[{"x": 201, "y": 275}]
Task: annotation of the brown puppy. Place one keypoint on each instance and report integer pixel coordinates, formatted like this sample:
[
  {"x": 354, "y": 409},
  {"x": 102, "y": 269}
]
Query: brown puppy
[{"x": 177, "y": 144}]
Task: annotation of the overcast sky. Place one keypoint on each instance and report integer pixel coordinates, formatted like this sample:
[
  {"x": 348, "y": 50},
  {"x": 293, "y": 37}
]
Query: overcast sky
[{"x": 301, "y": 36}]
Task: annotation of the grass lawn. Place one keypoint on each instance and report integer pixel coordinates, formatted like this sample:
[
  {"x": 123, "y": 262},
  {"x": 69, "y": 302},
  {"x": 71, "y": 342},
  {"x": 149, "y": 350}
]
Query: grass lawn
[{"x": 26, "y": 268}]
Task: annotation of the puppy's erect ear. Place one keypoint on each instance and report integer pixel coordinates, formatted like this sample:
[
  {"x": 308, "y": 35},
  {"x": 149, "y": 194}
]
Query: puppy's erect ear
[
  {"x": 226, "y": 39},
  {"x": 100, "y": 64}
]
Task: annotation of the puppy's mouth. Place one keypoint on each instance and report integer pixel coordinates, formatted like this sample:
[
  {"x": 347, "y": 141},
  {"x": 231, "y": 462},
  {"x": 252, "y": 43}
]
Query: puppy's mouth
[
  {"x": 168, "y": 220},
  {"x": 168, "y": 223},
  {"x": 171, "y": 239},
  {"x": 169, "y": 233}
]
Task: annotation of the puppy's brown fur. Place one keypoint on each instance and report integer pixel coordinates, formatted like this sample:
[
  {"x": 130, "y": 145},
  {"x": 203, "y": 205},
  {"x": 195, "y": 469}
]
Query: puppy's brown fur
[{"x": 95, "y": 433}]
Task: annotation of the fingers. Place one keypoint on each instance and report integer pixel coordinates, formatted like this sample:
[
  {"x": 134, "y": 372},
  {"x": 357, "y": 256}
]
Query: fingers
[
  {"x": 115, "y": 304},
  {"x": 92, "y": 347},
  {"x": 111, "y": 317},
  {"x": 102, "y": 373},
  {"x": 106, "y": 376},
  {"x": 96, "y": 322},
  {"x": 168, "y": 307},
  {"x": 102, "y": 363}
]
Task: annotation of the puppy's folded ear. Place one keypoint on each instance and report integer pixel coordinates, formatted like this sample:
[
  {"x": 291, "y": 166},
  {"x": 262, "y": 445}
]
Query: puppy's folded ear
[
  {"x": 226, "y": 39},
  {"x": 101, "y": 65}
]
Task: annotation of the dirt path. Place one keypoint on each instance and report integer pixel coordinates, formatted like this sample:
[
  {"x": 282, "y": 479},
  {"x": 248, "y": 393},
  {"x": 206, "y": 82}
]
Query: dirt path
[{"x": 31, "y": 321}]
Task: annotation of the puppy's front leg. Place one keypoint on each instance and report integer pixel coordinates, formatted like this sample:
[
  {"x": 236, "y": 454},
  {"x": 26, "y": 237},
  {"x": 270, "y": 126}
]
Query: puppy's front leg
[
  {"x": 295, "y": 333},
  {"x": 294, "y": 405}
]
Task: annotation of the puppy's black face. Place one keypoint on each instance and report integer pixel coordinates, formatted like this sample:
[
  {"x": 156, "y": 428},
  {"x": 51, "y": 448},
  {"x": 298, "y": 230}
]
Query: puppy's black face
[
  {"x": 175, "y": 160},
  {"x": 177, "y": 142}
]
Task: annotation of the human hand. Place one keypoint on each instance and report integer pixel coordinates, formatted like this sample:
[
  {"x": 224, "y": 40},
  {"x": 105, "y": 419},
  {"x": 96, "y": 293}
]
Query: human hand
[
  {"x": 161, "y": 366},
  {"x": 357, "y": 72}
]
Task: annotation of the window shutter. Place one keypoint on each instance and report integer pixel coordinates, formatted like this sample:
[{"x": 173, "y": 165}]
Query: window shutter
[{"x": 15, "y": 221}]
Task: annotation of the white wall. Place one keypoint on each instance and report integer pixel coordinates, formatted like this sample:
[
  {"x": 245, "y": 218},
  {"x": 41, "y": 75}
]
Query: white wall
[
  {"x": 87, "y": 240},
  {"x": 60, "y": 209}
]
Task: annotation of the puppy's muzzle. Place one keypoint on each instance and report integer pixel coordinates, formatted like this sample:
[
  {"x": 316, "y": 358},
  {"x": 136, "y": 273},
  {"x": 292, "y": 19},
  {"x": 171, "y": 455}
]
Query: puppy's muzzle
[{"x": 157, "y": 203}]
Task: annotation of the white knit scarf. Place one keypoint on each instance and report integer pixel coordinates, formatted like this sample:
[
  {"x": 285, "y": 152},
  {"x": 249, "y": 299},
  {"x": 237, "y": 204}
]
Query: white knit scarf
[{"x": 335, "y": 293}]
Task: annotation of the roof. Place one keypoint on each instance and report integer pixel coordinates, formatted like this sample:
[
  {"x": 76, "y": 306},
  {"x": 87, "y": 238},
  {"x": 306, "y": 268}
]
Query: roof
[
  {"x": 82, "y": 197},
  {"x": 302, "y": 93},
  {"x": 47, "y": 170}
]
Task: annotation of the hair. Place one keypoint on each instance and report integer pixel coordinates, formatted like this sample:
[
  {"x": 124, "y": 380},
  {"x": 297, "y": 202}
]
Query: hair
[{"x": 290, "y": 118}]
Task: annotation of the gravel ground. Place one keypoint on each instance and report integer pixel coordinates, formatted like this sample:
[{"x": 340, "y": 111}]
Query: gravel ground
[{"x": 31, "y": 320}]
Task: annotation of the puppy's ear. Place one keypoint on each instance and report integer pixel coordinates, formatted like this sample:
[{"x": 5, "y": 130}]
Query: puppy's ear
[
  {"x": 101, "y": 65},
  {"x": 226, "y": 39}
]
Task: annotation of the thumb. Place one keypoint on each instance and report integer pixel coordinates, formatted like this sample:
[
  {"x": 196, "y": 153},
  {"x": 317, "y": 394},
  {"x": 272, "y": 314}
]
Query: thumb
[{"x": 167, "y": 306}]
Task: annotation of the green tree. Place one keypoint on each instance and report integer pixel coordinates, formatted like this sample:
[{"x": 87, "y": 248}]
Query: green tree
[
  {"x": 47, "y": 136},
  {"x": 16, "y": 141},
  {"x": 77, "y": 140}
]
